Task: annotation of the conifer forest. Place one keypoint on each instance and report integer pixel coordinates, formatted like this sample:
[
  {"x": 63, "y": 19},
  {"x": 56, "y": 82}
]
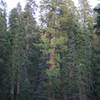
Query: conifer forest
[{"x": 54, "y": 58}]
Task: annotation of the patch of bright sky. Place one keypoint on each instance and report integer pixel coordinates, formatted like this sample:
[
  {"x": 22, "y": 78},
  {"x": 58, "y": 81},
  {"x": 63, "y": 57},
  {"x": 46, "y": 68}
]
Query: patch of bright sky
[
  {"x": 12, "y": 3},
  {"x": 91, "y": 2}
]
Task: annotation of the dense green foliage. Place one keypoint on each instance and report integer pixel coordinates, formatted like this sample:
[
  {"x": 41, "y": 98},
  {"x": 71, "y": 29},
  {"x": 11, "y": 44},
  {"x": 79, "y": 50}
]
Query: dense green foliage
[{"x": 51, "y": 59}]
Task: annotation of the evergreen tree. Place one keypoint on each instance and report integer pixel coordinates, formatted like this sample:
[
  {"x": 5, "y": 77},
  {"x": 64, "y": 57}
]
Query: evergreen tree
[
  {"x": 52, "y": 60},
  {"x": 85, "y": 50},
  {"x": 4, "y": 53},
  {"x": 60, "y": 27}
]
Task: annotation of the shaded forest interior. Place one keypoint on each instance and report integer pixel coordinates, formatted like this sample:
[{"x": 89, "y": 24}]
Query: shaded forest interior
[{"x": 54, "y": 58}]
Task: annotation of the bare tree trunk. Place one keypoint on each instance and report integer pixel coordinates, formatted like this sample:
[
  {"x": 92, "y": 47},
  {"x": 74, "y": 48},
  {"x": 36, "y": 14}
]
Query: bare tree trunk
[
  {"x": 17, "y": 88},
  {"x": 50, "y": 94},
  {"x": 52, "y": 59},
  {"x": 12, "y": 91}
]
